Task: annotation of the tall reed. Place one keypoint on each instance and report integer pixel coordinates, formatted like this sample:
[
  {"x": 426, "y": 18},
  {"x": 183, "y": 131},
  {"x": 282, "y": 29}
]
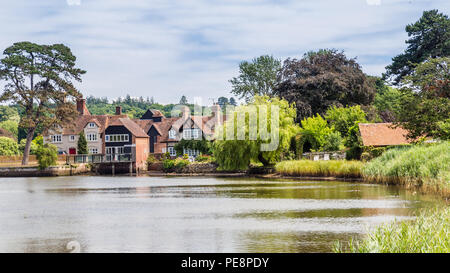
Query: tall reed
[
  {"x": 426, "y": 166},
  {"x": 428, "y": 233},
  {"x": 336, "y": 168}
]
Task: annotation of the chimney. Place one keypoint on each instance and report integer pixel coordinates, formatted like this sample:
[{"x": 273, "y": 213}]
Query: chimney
[
  {"x": 118, "y": 110},
  {"x": 81, "y": 106}
]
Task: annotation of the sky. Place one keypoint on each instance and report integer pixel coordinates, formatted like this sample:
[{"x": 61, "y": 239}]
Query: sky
[{"x": 165, "y": 48}]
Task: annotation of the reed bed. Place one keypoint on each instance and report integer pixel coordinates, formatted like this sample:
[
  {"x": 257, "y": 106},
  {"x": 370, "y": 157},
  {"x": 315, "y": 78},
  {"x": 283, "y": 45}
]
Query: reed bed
[
  {"x": 328, "y": 168},
  {"x": 428, "y": 233},
  {"x": 424, "y": 166}
]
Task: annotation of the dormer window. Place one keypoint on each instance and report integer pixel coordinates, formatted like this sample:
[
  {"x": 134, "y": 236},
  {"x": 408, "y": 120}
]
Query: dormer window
[
  {"x": 172, "y": 134},
  {"x": 91, "y": 125}
]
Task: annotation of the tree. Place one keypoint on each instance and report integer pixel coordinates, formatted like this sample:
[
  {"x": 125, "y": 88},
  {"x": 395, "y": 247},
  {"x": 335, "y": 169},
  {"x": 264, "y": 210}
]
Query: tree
[
  {"x": 429, "y": 37},
  {"x": 425, "y": 99},
  {"x": 11, "y": 126},
  {"x": 343, "y": 118},
  {"x": 47, "y": 155},
  {"x": 322, "y": 79},
  {"x": 386, "y": 101},
  {"x": 8, "y": 113},
  {"x": 232, "y": 101},
  {"x": 203, "y": 146},
  {"x": 232, "y": 154},
  {"x": 257, "y": 77},
  {"x": 8, "y": 146},
  {"x": 82, "y": 144},
  {"x": 183, "y": 100},
  {"x": 39, "y": 79},
  {"x": 314, "y": 133},
  {"x": 222, "y": 102}
]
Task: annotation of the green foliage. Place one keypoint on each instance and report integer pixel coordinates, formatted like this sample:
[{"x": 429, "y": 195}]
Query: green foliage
[
  {"x": 47, "y": 155},
  {"x": 443, "y": 130},
  {"x": 39, "y": 78},
  {"x": 8, "y": 146},
  {"x": 428, "y": 233},
  {"x": 33, "y": 146},
  {"x": 425, "y": 99},
  {"x": 170, "y": 165},
  {"x": 336, "y": 168},
  {"x": 204, "y": 158},
  {"x": 11, "y": 126},
  {"x": 151, "y": 159},
  {"x": 429, "y": 37},
  {"x": 183, "y": 100},
  {"x": 237, "y": 154},
  {"x": 387, "y": 102},
  {"x": 203, "y": 146},
  {"x": 322, "y": 79},
  {"x": 353, "y": 153},
  {"x": 333, "y": 141},
  {"x": 353, "y": 138},
  {"x": 413, "y": 165},
  {"x": 256, "y": 78},
  {"x": 315, "y": 130},
  {"x": 82, "y": 148},
  {"x": 343, "y": 118},
  {"x": 9, "y": 113}
]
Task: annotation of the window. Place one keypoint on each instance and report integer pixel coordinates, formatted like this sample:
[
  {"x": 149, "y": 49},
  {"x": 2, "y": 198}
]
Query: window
[
  {"x": 114, "y": 150},
  {"x": 91, "y": 125},
  {"x": 172, "y": 151},
  {"x": 172, "y": 134},
  {"x": 91, "y": 137},
  {"x": 187, "y": 134},
  {"x": 93, "y": 150},
  {"x": 117, "y": 138},
  {"x": 195, "y": 133},
  {"x": 72, "y": 138},
  {"x": 56, "y": 138},
  {"x": 191, "y": 152}
]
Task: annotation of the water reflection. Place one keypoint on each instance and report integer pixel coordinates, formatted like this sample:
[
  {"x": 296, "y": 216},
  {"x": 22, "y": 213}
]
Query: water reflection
[{"x": 150, "y": 214}]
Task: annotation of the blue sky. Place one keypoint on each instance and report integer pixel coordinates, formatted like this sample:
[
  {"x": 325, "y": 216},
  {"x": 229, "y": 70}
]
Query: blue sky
[{"x": 165, "y": 49}]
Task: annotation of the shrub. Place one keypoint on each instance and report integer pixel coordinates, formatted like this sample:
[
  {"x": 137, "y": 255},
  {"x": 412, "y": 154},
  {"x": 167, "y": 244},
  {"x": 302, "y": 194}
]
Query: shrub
[
  {"x": 203, "y": 158},
  {"x": 180, "y": 163},
  {"x": 332, "y": 141},
  {"x": 82, "y": 144},
  {"x": 168, "y": 165},
  {"x": 33, "y": 146},
  {"x": 47, "y": 155},
  {"x": 151, "y": 159},
  {"x": 354, "y": 153},
  {"x": 8, "y": 146}
]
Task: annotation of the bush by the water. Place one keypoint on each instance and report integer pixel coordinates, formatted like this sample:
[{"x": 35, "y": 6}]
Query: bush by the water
[
  {"x": 429, "y": 233},
  {"x": 8, "y": 146},
  {"x": 417, "y": 165},
  {"x": 170, "y": 165},
  {"x": 47, "y": 155},
  {"x": 336, "y": 168}
]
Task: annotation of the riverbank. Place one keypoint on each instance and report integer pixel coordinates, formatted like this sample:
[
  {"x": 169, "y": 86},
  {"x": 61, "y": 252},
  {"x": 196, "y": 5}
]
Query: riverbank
[
  {"x": 428, "y": 233},
  {"x": 33, "y": 171}
]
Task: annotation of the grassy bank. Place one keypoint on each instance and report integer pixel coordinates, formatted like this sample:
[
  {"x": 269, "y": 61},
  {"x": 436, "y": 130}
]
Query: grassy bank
[
  {"x": 428, "y": 233},
  {"x": 424, "y": 166},
  {"x": 336, "y": 168}
]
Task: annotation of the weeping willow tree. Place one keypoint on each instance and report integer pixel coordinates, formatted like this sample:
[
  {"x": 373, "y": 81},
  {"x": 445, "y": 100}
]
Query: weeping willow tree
[{"x": 260, "y": 131}]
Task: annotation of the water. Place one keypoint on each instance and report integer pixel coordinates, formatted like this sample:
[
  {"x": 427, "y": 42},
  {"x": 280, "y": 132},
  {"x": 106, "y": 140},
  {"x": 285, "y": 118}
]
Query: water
[{"x": 186, "y": 214}]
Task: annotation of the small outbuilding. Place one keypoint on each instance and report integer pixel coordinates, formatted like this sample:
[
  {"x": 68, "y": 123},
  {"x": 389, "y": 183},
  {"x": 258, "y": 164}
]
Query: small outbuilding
[{"x": 382, "y": 134}]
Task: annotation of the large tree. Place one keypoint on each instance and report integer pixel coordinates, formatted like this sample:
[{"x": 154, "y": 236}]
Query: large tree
[
  {"x": 235, "y": 153},
  {"x": 425, "y": 100},
  {"x": 39, "y": 79},
  {"x": 322, "y": 79},
  {"x": 429, "y": 37},
  {"x": 257, "y": 77}
]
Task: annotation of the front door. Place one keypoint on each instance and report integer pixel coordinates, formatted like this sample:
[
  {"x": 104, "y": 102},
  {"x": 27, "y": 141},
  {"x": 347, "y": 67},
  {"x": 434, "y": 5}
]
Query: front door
[{"x": 72, "y": 151}]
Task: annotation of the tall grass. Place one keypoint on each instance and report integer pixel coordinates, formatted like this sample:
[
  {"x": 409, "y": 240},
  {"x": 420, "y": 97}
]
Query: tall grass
[
  {"x": 426, "y": 166},
  {"x": 336, "y": 168},
  {"x": 428, "y": 233}
]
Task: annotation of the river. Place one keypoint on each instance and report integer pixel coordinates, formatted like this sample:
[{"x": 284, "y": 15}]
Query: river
[{"x": 190, "y": 214}]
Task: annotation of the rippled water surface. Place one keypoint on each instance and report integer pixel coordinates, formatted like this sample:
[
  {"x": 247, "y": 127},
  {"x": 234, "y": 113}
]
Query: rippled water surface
[{"x": 185, "y": 214}]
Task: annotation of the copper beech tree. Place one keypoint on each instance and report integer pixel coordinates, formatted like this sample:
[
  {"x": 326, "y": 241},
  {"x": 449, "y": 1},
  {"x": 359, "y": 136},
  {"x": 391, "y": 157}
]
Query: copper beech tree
[{"x": 39, "y": 79}]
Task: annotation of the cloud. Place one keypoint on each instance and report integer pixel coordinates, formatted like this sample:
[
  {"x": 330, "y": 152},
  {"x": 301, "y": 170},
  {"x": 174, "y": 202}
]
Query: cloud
[
  {"x": 373, "y": 2},
  {"x": 167, "y": 48},
  {"x": 73, "y": 2}
]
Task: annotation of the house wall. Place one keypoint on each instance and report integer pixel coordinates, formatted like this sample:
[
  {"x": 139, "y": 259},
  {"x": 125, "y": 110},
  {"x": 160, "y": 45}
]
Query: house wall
[
  {"x": 142, "y": 151},
  {"x": 114, "y": 130},
  {"x": 66, "y": 143}
]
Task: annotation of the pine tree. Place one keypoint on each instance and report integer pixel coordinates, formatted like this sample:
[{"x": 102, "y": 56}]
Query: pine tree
[{"x": 82, "y": 144}]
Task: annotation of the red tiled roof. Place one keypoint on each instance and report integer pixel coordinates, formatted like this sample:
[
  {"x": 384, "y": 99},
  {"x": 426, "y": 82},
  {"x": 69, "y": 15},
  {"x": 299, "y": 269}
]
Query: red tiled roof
[
  {"x": 132, "y": 126},
  {"x": 382, "y": 134}
]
